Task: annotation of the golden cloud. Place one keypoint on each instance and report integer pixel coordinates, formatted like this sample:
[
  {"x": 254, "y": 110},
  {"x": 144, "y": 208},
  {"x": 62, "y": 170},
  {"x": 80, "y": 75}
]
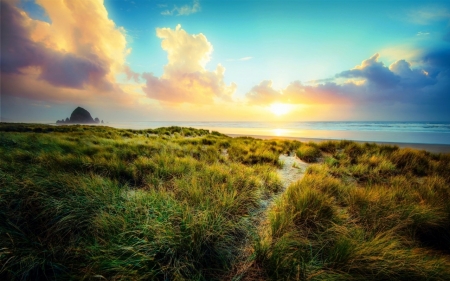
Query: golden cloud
[
  {"x": 81, "y": 49},
  {"x": 185, "y": 78}
]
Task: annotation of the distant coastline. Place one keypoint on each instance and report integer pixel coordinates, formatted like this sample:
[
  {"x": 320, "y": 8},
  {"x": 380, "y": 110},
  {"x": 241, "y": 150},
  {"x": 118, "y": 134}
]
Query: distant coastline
[
  {"x": 436, "y": 142},
  {"x": 435, "y": 148},
  {"x": 380, "y": 132}
]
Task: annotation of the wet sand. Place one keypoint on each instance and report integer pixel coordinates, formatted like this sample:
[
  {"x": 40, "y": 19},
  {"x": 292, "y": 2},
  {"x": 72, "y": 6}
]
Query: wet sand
[{"x": 435, "y": 148}]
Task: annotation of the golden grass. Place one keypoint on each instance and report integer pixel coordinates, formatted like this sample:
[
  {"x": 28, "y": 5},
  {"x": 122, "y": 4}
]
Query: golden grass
[{"x": 81, "y": 202}]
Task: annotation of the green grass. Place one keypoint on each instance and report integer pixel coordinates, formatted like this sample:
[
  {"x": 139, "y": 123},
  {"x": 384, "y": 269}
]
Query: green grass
[
  {"x": 308, "y": 153},
  {"x": 367, "y": 213},
  {"x": 92, "y": 202}
]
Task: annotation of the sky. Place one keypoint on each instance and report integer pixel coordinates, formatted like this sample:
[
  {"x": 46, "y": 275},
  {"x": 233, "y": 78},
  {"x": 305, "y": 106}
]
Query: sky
[{"x": 208, "y": 60}]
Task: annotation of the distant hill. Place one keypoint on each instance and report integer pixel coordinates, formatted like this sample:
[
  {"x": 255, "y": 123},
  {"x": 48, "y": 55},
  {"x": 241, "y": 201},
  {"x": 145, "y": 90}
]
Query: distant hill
[{"x": 79, "y": 116}]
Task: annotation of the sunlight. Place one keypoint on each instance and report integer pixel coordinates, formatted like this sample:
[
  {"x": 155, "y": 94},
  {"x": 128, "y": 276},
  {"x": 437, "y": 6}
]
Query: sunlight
[
  {"x": 280, "y": 108},
  {"x": 279, "y": 132}
]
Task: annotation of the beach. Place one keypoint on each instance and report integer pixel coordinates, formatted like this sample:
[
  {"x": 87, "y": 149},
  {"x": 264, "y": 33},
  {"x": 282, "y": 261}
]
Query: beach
[
  {"x": 430, "y": 136},
  {"x": 435, "y": 148}
]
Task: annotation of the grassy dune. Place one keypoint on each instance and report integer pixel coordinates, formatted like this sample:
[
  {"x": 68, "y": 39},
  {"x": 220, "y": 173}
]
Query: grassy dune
[{"x": 81, "y": 202}]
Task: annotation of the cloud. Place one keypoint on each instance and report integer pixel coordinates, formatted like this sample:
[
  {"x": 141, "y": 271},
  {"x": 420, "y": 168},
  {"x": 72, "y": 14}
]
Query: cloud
[
  {"x": 67, "y": 53},
  {"x": 131, "y": 74},
  {"x": 263, "y": 94},
  {"x": 241, "y": 59},
  {"x": 184, "y": 10},
  {"x": 185, "y": 78},
  {"x": 72, "y": 60},
  {"x": 58, "y": 67},
  {"x": 245, "y": 58},
  {"x": 326, "y": 93},
  {"x": 438, "y": 60},
  {"x": 320, "y": 80},
  {"x": 374, "y": 71},
  {"x": 437, "y": 67},
  {"x": 428, "y": 14},
  {"x": 296, "y": 93},
  {"x": 374, "y": 87},
  {"x": 166, "y": 13},
  {"x": 410, "y": 78}
]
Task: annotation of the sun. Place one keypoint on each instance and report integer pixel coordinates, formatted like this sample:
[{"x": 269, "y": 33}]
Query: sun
[{"x": 280, "y": 108}]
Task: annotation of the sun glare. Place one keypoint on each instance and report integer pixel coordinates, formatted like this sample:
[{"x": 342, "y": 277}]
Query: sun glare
[
  {"x": 279, "y": 132},
  {"x": 280, "y": 108}
]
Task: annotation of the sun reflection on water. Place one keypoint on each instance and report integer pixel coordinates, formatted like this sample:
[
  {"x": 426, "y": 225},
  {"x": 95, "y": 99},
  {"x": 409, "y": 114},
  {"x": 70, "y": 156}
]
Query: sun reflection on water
[{"x": 279, "y": 132}]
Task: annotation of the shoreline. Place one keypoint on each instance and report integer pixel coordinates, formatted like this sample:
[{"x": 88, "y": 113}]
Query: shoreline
[{"x": 430, "y": 147}]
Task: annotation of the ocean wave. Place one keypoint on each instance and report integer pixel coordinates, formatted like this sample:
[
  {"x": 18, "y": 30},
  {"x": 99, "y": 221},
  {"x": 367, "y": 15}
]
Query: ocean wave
[{"x": 354, "y": 126}]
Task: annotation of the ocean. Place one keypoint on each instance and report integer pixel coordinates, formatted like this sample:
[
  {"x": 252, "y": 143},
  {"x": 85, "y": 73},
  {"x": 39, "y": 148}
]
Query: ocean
[{"x": 400, "y": 132}]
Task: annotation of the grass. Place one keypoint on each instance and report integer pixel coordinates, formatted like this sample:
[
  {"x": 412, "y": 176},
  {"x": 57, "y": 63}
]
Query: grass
[
  {"x": 308, "y": 152},
  {"x": 368, "y": 212},
  {"x": 92, "y": 202}
]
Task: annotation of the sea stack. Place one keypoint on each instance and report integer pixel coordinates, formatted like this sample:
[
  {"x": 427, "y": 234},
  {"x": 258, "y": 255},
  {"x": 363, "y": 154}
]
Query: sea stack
[{"x": 80, "y": 116}]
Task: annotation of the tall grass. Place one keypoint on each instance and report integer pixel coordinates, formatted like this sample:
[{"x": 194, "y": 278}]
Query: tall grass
[
  {"x": 367, "y": 213},
  {"x": 308, "y": 153},
  {"x": 82, "y": 202}
]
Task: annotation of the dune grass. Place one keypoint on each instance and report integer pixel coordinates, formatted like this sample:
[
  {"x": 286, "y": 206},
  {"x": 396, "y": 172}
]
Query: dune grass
[
  {"x": 368, "y": 212},
  {"x": 92, "y": 202}
]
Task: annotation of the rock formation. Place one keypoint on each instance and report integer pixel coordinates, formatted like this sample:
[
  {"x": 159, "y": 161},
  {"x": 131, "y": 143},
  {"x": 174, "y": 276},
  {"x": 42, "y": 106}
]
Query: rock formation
[{"x": 79, "y": 116}]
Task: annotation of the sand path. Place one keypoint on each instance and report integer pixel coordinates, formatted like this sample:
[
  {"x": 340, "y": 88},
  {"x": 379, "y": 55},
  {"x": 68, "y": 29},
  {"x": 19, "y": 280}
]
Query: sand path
[{"x": 293, "y": 169}]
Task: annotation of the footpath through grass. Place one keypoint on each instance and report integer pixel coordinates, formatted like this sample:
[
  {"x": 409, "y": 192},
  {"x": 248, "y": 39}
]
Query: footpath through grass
[{"x": 92, "y": 202}]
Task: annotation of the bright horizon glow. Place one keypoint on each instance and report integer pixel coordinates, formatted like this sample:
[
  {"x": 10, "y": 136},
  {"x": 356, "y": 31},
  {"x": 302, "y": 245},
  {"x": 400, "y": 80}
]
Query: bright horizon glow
[
  {"x": 280, "y": 132},
  {"x": 280, "y": 108}
]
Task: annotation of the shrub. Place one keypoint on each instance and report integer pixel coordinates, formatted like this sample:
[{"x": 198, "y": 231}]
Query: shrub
[
  {"x": 328, "y": 146},
  {"x": 308, "y": 153},
  {"x": 411, "y": 161}
]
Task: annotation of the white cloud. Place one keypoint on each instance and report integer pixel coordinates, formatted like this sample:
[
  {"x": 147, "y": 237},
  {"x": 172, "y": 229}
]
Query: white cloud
[
  {"x": 241, "y": 59},
  {"x": 166, "y": 13},
  {"x": 427, "y": 15},
  {"x": 184, "y": 10}
]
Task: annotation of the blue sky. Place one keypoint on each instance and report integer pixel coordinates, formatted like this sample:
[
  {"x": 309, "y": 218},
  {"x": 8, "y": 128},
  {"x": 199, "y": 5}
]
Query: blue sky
[
  {"x": 307, "y": 40},
  {"x": 367, "y": 60}
]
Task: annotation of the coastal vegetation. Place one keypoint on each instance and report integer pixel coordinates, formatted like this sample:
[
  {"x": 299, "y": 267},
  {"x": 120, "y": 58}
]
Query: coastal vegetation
[{"x": 93, "y": 202}]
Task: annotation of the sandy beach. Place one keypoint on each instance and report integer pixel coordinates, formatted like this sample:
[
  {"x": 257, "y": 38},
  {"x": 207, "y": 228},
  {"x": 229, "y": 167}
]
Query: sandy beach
[{"x": 435, "y": 148}]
